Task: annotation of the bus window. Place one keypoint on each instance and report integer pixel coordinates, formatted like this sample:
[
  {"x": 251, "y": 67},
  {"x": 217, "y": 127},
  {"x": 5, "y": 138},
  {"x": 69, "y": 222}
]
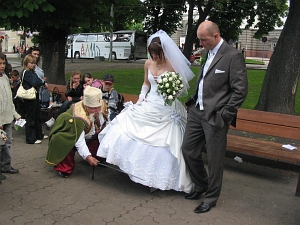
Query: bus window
[
  {"x": 91, "y": 37},
  {"x": 81, "y": 38},
  {"x": 123, "y": 37},
  {"x": 101, "y": 37}
]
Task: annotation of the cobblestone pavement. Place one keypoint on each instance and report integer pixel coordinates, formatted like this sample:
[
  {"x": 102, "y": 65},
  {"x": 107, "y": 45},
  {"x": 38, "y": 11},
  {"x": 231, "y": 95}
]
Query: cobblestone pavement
[{"x": 251, "y": 194}]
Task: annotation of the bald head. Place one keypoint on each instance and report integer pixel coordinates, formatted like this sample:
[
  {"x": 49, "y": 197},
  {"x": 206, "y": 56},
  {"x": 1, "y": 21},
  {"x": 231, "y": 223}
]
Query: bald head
[{"x": 209, "y": 34}]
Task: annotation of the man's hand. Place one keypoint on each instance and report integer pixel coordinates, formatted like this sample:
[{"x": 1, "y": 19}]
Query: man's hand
[{"x": 92, "y": 161}]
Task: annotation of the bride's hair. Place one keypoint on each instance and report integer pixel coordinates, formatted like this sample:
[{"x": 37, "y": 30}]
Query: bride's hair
[
  {"x": 162, "y": 44},
  {"x": 156, "y": 48}
]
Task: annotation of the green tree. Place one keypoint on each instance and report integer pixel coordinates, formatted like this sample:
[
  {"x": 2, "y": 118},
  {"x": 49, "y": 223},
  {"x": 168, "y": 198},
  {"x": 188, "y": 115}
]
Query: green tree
[
  {"x": 229, "y": 15},
  {"x": 163, "y": 14},
  {"x": 54, "y": 20},
  {"x": 278, "y": 92},
  {"x": 129, "y": 16}
]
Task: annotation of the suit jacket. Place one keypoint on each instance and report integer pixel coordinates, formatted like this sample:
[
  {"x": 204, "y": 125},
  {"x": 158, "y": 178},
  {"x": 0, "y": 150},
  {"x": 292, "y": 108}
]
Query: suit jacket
[{"x": 225, "y": 86}]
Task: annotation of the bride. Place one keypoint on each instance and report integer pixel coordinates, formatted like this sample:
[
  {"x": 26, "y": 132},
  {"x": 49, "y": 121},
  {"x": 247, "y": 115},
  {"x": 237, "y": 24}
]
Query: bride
[{"x": 145, "y": 139}]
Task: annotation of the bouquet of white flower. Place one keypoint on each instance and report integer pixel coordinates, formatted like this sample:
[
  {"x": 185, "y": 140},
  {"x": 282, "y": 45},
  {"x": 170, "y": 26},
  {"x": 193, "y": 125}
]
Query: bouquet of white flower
[{"x": 170, "y": 86}]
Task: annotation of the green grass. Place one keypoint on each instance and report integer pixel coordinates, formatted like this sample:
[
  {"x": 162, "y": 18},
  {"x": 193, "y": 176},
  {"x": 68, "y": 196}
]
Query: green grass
[
  {"x": 252, "y": 61},
  {"x": 130, "y": 81}
]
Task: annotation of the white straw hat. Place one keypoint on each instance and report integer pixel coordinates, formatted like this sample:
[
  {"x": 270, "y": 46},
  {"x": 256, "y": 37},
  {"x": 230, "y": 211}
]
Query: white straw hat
[{"x": 92, "y": 97}]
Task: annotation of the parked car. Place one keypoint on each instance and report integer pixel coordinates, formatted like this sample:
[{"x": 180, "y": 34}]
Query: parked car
[
  {"x": 197, "y": 54},
  {"x": 192, "y": 58}
]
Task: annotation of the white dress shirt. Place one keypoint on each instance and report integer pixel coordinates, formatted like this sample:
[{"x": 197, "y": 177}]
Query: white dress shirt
[
  {"x": 81, "y": 145},
  {"x": 210, "y": 58}
]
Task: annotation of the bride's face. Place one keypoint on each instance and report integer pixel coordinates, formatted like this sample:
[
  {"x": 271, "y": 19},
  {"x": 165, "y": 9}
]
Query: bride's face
[{"x": 156, "y": 58}]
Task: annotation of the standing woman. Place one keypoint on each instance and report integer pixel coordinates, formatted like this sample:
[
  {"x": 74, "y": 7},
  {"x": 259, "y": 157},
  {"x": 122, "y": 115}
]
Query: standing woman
[
  {"x": 33, "y": 126},
  {"x": 43, "y": 90}
]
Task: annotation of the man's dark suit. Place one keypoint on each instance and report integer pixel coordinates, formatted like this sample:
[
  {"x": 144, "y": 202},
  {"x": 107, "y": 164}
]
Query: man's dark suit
[{"x": 224, "y": 90}]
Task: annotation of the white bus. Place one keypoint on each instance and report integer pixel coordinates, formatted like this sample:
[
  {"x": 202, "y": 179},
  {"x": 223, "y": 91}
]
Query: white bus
[{"x": 91, "y": 45}]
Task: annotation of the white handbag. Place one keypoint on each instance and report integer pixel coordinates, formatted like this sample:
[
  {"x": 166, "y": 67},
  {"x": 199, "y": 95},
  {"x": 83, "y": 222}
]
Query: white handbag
[{"x": 26, "y": 94}]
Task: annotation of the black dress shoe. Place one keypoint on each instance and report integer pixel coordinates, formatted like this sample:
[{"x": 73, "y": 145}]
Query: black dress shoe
[
  {"x": 204, "y": 207},
  {"x": 63, "y": 175},
  {"x": 12, "y": 171},
  {"x": 194, "y": 195}
]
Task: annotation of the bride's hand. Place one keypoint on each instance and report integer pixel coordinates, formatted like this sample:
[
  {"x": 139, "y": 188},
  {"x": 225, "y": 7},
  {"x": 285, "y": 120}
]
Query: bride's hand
[{"x": 142, "y": 98}]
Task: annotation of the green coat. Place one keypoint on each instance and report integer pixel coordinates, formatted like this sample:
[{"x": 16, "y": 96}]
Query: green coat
[{"x": 65, "y": 133}]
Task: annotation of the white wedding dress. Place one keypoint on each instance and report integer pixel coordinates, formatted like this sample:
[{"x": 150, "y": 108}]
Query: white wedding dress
[{"x": 145, "y": 141}]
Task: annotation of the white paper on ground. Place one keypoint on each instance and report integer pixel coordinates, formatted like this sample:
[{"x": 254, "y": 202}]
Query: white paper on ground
[{"x": 290, "y": 147}]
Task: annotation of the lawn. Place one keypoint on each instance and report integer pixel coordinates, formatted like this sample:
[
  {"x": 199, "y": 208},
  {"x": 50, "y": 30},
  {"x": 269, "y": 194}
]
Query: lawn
[{"x": 130, "y": 81}]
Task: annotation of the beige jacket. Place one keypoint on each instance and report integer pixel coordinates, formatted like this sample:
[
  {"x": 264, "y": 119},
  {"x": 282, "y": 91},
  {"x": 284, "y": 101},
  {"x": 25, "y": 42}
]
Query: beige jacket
[{"x": 7, "y": 107}]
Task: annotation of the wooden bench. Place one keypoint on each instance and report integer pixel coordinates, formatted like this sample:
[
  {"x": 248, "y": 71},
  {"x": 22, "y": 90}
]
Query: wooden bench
[
  {"x": 47, "y": 113},
  {"x": 264, "y": 123},
  {"x": 130, "y": 97},
  {"x": 272, "y": 125},
  {"x": 61, "y": 90}
]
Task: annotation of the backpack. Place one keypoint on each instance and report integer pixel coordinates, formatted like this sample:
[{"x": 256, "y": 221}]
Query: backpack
[{"x": 120, "y": 104}]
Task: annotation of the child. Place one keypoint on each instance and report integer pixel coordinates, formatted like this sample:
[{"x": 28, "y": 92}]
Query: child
[
  {"x": 14, "y": 85},
  {"x": 15, "y": 82},
  {"x": 7, "y": 115},
  {"x": 110, "y": 96},
  {"x": 88, "y": 80}
]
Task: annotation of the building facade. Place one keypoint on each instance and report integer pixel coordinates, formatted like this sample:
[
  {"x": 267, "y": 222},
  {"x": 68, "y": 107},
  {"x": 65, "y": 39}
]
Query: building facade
[{"x": 14, "y": 38}]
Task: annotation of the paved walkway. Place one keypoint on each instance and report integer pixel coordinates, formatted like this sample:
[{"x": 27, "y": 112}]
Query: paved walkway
[{"x": 251, "y": 194}]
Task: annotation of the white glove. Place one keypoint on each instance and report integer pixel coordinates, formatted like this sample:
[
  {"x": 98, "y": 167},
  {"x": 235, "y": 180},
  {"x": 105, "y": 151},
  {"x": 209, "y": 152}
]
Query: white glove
[{"x": 144, "y": 91}]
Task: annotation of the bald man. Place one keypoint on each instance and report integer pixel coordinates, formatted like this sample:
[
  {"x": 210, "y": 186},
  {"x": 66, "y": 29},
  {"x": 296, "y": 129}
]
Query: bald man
[{"x": 221, "y": 89}]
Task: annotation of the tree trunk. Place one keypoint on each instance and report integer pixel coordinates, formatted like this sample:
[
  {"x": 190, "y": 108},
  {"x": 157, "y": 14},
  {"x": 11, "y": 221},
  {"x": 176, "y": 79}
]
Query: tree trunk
[
  {"x": 281, "y": 80},
  {"x": 193, "y": 27},
  {"x": 191, "y": 34},
  {"x": 54, "y": 60}
]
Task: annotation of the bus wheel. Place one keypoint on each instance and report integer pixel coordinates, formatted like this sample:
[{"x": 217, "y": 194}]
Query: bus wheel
[{"x": 77, "y": 55}]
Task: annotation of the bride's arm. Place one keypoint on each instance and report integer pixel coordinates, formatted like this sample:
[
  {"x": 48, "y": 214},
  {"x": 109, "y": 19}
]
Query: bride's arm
[
  {"x": 146, "y": 69},
  {"x": 146, "y": 84}
]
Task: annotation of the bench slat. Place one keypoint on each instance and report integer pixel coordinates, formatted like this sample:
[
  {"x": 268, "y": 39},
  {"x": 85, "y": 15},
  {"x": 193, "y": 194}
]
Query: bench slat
[
  {"x": 268, "y": 129},
  {"x": 269, "y": 117},
  {"x": 261, "y": 148}
]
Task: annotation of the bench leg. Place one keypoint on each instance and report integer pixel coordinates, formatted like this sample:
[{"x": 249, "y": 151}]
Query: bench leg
[{"x": 298, "y": 187}]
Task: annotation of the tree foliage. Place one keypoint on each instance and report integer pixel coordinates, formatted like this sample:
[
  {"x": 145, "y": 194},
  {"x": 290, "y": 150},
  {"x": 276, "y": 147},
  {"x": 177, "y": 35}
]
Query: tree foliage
[
  {"x": 54, "y": 20},
  {"x": 163, "y": 14},
  {"x": 230, "y": 14},
  {"x": 280, "y": 84}
]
